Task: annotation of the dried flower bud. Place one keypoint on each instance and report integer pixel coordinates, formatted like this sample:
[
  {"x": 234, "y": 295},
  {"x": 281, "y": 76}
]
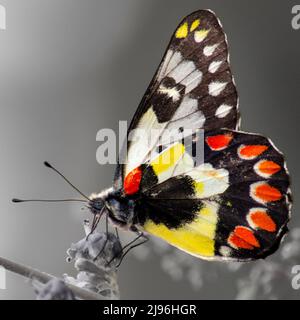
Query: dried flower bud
[
  {"x": 95, "y": 257},
  {"x": 55, "y": 289}
]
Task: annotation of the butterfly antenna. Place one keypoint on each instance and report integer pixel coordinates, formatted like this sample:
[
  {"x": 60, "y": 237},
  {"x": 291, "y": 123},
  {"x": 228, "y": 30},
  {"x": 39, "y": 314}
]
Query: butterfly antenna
[
  {"x": 47, "y": 164},
  {"x": 15, "y": 200}
]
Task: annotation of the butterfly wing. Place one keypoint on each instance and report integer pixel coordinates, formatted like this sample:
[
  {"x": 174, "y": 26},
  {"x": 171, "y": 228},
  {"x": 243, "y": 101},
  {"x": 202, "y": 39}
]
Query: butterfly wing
[
  {"x": 230, "y": 201},
  {"x": 235, "y": 205},
  {"x": 192, "y": 88}
]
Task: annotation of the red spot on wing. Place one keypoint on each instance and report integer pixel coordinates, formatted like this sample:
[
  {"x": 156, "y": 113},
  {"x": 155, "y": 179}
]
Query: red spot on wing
[
  {"x": 267, "y": 193},
  {"x": 243, "y": 238},
  {"x": 251, "y": 151},
  {"x": 262, "y": 220},
  {"x": 219, "y": 142},
  {"x": 268, "y": 167},
  {"x": 132, "y": 181}
]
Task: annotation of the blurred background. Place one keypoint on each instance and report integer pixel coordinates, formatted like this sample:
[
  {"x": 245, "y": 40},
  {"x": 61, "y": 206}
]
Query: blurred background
[{"x": 69, "y": 68}]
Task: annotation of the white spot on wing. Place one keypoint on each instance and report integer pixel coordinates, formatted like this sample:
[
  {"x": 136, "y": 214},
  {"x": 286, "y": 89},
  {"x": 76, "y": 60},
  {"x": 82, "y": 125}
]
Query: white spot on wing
[
  {"x": 170, "y": 92},
  {"x": 214, "y": 66},
  {"x": 209, "y": 50},
  {"x": 216, "y": 87},
  {"x": 225, "y": 251},
  {"x": 223, "y": 110}
]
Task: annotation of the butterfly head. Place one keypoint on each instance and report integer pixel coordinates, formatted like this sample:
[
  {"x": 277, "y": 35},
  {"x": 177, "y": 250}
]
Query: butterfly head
[
  {"x": 96, "y": 205},
  {"x": 98, "y": 202},
  {"x": 119, "y": 209}
]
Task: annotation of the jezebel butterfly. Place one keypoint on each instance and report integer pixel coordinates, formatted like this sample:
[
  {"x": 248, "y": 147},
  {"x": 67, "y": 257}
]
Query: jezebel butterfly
[{"x": 235, "y": 203}]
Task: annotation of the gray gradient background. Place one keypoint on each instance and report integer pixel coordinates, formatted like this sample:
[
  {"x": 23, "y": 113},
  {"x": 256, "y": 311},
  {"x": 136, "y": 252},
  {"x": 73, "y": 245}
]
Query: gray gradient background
[{"x": 69, "y": 68}]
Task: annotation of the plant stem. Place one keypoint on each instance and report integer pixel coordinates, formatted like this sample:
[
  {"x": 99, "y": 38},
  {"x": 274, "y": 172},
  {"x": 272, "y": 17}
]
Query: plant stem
[{"x": 43, "y": 277}]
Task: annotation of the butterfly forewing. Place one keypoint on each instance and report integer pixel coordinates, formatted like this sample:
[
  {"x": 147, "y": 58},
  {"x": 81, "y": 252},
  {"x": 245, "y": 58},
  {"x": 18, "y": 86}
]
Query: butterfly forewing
[{"x": 193, "y": 88}]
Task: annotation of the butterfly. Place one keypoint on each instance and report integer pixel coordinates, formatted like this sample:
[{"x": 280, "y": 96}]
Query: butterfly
[
  {"x": 234, "y": 204},
  {"x": 229, "y": 201}
]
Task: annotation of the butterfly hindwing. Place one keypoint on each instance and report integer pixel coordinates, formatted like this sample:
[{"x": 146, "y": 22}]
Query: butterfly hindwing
[
  {"x": 193, "y": 88},
  {"x": 235, "y": 205},
  {"x": 258, "y": 194}
]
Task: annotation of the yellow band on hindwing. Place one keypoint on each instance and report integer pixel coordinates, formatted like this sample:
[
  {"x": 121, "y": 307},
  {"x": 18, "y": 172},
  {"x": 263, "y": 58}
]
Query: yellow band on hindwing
[{"x": 196, "y": 237}]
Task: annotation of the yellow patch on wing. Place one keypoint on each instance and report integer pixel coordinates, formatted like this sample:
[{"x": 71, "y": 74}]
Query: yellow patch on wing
[
  {"x": 195, "y": 24},
  {"x": 199, "y": 187},
  {"x": 182, "y": 31},
  {"x": 164, "y": 164},
  {"x": 196, "y": 238}
]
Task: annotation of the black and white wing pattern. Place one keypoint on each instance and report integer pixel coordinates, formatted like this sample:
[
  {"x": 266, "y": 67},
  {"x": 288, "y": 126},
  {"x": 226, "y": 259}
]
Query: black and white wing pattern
[{"x": 192, "y": 89}]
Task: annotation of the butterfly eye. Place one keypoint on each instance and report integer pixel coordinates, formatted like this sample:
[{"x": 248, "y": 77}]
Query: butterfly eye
[{"x": 97, "y": 204}]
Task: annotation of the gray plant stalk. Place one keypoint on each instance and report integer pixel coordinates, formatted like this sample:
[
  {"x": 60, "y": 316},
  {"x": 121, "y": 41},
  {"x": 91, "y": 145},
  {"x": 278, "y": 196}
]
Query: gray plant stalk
[{"x": 95, "y": 258}]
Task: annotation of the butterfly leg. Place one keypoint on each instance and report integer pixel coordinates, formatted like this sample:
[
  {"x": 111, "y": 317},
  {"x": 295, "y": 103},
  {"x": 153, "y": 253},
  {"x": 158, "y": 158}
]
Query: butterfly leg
[
  {"x": 146, "y": 239},
  {"x": 96, "y": 220},
  {"x": 130, "y": 246},
  {"x": 106, "y": 240},
  {"x": 93, "y": 222},
  {"x": 117, "y": 234}
]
